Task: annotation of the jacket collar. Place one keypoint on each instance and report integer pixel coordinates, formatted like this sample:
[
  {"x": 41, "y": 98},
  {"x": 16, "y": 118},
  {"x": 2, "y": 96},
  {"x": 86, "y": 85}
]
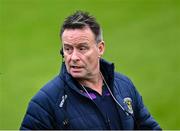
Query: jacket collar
[{"x": 107, "y": 70}]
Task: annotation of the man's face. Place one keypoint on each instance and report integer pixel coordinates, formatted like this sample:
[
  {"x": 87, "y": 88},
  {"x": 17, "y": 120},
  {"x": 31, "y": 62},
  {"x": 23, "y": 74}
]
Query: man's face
[{"x": 81, "y": 52}]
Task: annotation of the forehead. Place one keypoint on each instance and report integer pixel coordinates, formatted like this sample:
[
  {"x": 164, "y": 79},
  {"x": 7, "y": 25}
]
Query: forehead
[{"x": 77, "y": 35}]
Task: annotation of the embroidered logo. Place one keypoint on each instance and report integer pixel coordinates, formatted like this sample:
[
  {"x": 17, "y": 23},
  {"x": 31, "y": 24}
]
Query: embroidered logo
[
  {"x": 128, "y": 102},
  {"x": 63, "y": 100}
]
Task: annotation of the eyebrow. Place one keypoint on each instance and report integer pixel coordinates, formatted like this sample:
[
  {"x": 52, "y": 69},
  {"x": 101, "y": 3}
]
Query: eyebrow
[
  {"x": 65, "y": 44},
  {"x": 80, "y": 44}
]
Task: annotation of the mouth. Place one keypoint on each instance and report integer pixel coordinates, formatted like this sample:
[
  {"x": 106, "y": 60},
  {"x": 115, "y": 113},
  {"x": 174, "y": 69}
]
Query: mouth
[{"x": 75, "y": 67}]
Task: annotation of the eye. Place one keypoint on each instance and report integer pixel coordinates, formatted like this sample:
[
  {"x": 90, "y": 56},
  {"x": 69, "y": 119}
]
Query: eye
[
  {"x": 82, "y": 48},
  {"x": 68, "y": 50}
]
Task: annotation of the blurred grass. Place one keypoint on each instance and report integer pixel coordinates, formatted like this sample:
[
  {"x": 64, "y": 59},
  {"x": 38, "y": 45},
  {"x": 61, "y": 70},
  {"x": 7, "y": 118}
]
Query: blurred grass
[{"x": 142, "y": 39}]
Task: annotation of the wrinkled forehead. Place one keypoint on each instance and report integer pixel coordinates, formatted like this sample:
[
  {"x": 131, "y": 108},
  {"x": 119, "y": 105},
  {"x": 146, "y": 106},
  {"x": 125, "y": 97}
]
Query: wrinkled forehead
[{"x": 77, "y": 35}]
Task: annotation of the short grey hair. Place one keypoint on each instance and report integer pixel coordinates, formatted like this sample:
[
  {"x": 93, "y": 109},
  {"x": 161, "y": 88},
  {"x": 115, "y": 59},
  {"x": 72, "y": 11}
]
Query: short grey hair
[{"x": 80, "y": 20}]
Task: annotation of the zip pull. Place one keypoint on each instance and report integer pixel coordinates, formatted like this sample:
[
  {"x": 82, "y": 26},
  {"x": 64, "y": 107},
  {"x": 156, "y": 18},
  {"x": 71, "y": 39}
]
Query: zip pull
[{"x": 65, "y": 123}]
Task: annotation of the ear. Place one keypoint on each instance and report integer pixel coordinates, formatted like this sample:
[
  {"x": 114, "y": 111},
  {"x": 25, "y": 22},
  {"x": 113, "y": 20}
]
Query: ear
[
  {"x": 62, "y": 52},
  {"x": 101, "y": 48}
]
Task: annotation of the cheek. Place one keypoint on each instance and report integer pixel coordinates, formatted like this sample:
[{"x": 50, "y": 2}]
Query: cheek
[
  {"x": 92, "y": 59},
  {"x": 66, "y": 59}
]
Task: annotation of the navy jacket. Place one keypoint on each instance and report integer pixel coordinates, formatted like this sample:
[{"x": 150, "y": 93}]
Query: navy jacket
[{"x": 61, "y": 105}]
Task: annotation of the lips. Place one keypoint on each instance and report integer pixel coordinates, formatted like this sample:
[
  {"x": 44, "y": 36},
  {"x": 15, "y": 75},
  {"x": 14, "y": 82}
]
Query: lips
[{"x": 75, "y": 67}]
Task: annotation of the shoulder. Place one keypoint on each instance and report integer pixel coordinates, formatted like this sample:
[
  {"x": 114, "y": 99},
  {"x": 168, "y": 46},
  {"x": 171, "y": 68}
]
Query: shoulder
[
  {"x": 122, "y": 78},
  {"x": 53, "y": 88},
  {"x": 124, "y": 84},
  {"x": 46, "y": 98},
  {"x": 40, "y": 112}
]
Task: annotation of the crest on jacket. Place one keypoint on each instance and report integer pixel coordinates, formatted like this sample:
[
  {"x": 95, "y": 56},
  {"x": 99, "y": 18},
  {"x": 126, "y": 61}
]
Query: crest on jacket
[{"x": 128, "y": 102}]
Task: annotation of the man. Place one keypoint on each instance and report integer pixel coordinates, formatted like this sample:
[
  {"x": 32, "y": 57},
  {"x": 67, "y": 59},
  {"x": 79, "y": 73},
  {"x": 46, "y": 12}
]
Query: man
[{"x": 87, "y": 94}]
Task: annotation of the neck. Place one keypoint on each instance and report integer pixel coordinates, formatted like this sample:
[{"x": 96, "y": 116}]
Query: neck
[{"x": 95, "y": 83}]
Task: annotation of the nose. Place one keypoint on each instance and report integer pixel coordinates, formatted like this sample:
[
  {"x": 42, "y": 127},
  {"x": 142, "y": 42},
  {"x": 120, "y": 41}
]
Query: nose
[{"x": 74, "y": 55}]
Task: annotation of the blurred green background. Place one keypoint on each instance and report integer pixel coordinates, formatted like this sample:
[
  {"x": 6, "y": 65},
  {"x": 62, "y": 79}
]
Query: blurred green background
[{"x": 142, "y": 39}]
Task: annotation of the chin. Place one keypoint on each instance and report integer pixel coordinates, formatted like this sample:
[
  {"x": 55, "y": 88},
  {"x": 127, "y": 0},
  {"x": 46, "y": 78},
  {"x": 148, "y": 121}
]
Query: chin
[{"x": 78, "y": 76}]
